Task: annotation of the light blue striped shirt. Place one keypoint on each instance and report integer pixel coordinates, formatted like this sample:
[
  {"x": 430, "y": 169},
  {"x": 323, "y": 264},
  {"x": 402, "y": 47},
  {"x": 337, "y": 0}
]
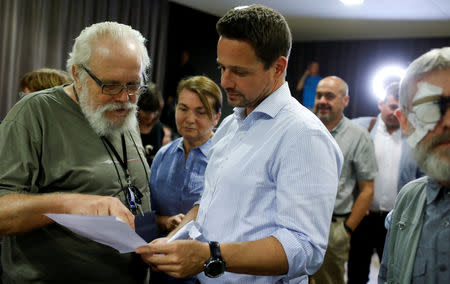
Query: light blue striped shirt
[{"x": 272, "y": 173}]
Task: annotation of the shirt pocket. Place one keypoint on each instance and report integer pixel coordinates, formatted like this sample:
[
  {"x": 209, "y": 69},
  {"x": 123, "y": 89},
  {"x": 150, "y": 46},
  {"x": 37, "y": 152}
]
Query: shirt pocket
[{"x": 420, "y": 266}]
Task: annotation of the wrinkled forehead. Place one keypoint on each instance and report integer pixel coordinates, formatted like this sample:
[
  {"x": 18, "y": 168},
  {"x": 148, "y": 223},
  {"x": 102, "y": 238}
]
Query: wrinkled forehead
[{"x": 107, "y": 49}]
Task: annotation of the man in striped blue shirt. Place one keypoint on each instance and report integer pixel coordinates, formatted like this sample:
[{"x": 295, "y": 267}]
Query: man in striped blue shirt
[{"x": 273, "y": 170}]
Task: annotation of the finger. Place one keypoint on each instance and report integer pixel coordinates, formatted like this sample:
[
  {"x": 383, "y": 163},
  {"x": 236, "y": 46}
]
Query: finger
[
  {"x": 160, "y": 249},
  {"x": 143, "y": 250},
  {"x": 151, "y": 248},
  {"x": 159, "y": 259},
  {"x": 126, "y": 217},
  {"x": 102, "y": 210},
  {"x": 154, "y": 268},
  {"x": 160, "y": 240},
  {"x": 170, "y": 269},
  {"x": 116, "y": 208}
]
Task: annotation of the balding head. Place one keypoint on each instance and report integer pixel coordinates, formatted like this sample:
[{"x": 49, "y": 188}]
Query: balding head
[{"x": 331, "y": 99}]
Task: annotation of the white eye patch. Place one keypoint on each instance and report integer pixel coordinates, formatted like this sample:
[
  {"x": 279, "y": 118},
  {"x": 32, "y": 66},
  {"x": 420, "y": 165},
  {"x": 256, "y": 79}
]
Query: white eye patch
[{"x": 424, "y": 116}]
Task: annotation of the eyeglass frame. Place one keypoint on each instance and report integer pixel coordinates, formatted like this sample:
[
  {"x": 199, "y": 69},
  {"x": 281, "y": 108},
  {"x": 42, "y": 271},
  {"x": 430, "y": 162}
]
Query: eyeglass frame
[
  {"x": 102, "y": 85},
  {"x": 442, "y": 101}
]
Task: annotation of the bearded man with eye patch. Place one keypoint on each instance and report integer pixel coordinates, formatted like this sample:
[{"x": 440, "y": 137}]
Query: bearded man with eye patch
[{"x": 416, "y": 248}]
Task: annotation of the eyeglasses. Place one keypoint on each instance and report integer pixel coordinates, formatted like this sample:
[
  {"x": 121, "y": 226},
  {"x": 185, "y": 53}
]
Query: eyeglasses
[
  {"x": 431, "y": 109},
  {"x": 113, "y": 89}
]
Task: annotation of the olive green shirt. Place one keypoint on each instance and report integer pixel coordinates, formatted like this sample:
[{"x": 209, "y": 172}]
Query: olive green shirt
[{"x": 47, "y": 146}]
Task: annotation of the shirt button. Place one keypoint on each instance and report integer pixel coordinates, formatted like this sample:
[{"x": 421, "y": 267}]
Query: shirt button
[
  {"x": 446, "y": 223},
  {"x": 443, "y": 267}
]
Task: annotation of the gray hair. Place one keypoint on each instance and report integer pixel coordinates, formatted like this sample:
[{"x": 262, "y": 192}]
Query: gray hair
[
  {"x": 82, "y": 49},
  {"x": 432, "y": 60}
]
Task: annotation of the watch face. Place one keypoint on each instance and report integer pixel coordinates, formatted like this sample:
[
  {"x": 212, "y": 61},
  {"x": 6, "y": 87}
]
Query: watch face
[{"x": 214, "y": 268}]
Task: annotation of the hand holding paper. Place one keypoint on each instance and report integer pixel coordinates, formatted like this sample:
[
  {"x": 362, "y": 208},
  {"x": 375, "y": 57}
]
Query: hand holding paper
[{"x": 190, "y": 254}]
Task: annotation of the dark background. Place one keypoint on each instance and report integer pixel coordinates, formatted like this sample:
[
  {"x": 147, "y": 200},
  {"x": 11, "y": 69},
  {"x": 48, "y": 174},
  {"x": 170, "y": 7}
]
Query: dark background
[
  {"x": 355, "y": 61},
  {"x": 40, "y": 33}
]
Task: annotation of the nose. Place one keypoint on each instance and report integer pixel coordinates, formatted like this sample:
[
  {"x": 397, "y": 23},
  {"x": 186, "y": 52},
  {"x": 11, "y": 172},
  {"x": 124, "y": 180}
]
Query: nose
[
  {"x": 123, "y": 96},
  {"x": 190, "y": 117},
  {"x": 321, "y": 100},
  {"x": 226, "y": 80}
]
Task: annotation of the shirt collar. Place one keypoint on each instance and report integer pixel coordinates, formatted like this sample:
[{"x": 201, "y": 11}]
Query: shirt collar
[
  {"x": 339, "y": 126},
  {"x": 270, "y": 106},
  {"x": 433, "y": 189},
  {"x": 383, "y": 128},
  {"x": 204, "y": 148}
]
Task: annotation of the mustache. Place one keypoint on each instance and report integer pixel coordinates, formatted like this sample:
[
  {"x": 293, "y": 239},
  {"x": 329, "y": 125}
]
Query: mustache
[
  {"x": 323, "y": 106},
  {"x": 116, "y": 106},
  {"x": 439, "y": 139},
  {"x": 231, "y": 90}
]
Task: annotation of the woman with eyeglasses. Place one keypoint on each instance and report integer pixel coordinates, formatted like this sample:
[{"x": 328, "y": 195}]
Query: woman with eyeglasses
[{"x": 177, "y": 172}]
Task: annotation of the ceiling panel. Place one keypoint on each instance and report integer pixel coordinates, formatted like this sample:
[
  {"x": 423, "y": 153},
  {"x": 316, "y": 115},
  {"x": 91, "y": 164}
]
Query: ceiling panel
[{"x": 330, "y": 19}]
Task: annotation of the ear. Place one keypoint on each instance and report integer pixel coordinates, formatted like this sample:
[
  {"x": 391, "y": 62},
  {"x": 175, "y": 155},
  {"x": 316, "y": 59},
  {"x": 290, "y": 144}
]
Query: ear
[
  {"x": 216, "y": 118},
  {"x": 407, "y": 128},
  {"x": 346, "y": 100},
  {"x": 380, "y": 105},
  {"x": 75, "y": 74},
  {"x": 280, "y": 66}
]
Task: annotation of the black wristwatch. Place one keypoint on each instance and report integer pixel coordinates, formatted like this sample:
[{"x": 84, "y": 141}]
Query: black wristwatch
[
  {"x": 348, "y": 229},
  {"x": 214, "y": 266}
]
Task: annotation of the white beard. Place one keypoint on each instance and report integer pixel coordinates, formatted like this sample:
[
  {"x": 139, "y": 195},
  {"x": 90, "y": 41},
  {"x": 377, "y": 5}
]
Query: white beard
[
  {"x": 432, "y": 163},
  {"x": 97, "y": 119}
]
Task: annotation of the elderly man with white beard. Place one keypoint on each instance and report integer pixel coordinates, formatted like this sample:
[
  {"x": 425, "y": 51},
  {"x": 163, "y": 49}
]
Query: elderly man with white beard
[
  {"x": 76, "y": 149},
  {"x": 416, "y": 248}
]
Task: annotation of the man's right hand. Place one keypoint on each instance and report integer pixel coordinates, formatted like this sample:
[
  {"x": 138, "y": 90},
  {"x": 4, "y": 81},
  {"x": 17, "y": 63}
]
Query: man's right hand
[
  {"x": 20, "y": 213},
  {"x": 85, "y": 204},
  {"x": 306, "y": 73}
]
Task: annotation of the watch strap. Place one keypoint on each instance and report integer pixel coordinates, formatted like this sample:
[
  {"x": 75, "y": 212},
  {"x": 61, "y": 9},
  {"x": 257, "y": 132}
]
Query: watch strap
[
  {"x": 214, "y": 249},
  {"x": 348, "y": 229}
]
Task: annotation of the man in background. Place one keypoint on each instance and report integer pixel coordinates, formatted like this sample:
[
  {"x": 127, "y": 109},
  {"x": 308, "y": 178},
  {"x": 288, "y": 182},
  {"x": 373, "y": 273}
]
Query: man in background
[
  {"x": 417, "y": 249},
  {"x": 396, "y": 167},
  {"x": 75, "y": 149},
  {"x": 267, "y": 203},
  {"x": 308, "y": 83},
  {"x": 360, "y": 168}
]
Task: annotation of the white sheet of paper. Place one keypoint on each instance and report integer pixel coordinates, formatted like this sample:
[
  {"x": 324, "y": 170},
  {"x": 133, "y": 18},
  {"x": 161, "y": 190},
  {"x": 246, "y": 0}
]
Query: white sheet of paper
[
  {"x": 107, "y": 230},
  {"x": 189, "y": 230}
]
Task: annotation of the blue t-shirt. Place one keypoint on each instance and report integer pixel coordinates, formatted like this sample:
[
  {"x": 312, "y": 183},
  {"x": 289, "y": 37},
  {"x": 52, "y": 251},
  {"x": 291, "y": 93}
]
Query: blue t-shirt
[{"x": 309, "y": 90}]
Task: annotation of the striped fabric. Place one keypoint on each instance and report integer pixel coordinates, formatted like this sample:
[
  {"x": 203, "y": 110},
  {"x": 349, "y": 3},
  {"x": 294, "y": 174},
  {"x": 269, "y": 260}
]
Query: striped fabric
[{"x": 272, "y": 173}]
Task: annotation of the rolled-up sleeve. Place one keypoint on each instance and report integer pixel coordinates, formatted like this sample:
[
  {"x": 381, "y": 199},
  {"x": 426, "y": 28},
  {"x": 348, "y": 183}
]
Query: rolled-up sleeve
[{"x": 307, "y": 174}]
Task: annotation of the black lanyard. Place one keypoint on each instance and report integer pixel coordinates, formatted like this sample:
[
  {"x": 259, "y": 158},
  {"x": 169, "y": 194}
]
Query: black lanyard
[
  {"x": 123, "y": 163},
  {"x": 132, "y": 193}
]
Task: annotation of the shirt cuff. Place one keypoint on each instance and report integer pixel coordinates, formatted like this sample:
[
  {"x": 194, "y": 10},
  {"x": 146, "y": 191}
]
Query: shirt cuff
[{"x": 303, "y": 257}]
